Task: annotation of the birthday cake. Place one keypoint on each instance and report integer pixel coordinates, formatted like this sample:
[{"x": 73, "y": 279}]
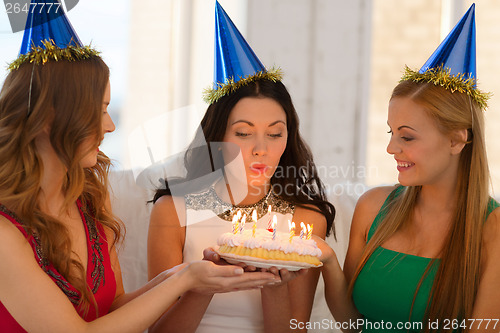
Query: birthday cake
[{"x": 263, "y": 248}]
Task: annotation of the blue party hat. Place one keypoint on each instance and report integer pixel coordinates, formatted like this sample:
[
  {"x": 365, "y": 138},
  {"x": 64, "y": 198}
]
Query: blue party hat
[
  {"x": 49, "y": 36},
  {"x": 458, "y": 50},
  {"x": 453, "y": 63},
  {"x": 48, "y": 25},
  {"x": 235, "y": 62}
]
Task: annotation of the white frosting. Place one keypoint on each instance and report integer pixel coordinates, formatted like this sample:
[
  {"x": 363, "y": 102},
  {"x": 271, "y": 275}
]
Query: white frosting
[{"x": 264, "y": 239}]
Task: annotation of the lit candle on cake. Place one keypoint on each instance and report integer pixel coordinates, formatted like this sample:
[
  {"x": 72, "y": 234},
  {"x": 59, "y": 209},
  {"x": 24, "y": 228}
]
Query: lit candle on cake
[
  {"x": 291, "y": 227},
  {"x": 235, "y": 223},
  {"x": 302, "y": 230},
  {"x": 274, "y": 225},
  {"x": 309, "y": 231},
  {"x": 254, "y": 218},
  {"x": 269, "y": 225},
  {"x": 242, "y": 223}
]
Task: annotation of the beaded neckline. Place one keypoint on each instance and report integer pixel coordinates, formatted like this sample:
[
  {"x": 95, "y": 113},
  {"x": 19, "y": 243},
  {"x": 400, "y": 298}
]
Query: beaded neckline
[{"x": 209, "y": 200}]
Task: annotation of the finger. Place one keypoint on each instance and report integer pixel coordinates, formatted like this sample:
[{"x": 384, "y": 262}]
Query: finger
[
  {"x": 250, "y": 268},
  {"x": 210, "y": 254},
  {"x": 257, "y": 276},
  {"x": 255, "y": 282},
  {"x": 274, "y": 270},
  {"x": 228, "y": 270},
  {"x": 284, "y": 273}
]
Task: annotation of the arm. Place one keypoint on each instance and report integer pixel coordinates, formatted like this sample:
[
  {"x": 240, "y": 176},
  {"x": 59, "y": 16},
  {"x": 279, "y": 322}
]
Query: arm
[
  {"x": 293, "y": 300},
  {"x": 339, "y": 301},
  {"x": 487, "y": 302},
  {"x": 47, "y": 309},
  {"x": 165, "y": 247},
  {"x": 121, "y": 297}
]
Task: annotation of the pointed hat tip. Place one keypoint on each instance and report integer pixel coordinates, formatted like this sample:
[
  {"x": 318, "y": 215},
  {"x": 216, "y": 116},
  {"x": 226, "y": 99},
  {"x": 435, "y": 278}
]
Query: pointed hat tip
[
  {"x": 234, "y": 58},
  {"x": 49, "y": 35},
  {"x": 457, "y": 52},
  {"x": 453, "y": 64}
]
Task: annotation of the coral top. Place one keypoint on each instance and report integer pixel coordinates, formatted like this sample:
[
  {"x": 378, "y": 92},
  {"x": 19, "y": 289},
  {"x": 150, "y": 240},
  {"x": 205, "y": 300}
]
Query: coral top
[{"x": 100, "y": 276}]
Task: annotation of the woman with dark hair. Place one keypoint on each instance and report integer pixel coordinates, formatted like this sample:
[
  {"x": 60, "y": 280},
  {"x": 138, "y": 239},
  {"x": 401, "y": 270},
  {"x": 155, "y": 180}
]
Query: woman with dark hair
[
  {"x": 59, "y": 270},
  {"x": 273, "y": 167},
  {"x": 248, "y": 157},
  {"x": 295, "y": 177}
]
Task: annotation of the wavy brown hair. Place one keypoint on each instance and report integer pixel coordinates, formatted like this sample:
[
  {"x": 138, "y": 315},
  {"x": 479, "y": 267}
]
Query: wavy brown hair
[
  {"x": 67, "y": 97},
  {"x": 457, "y": 278}
]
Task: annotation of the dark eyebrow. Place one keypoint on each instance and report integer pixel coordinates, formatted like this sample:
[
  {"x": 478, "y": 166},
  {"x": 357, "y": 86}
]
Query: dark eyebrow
[
  {"x": 243, "y": 121},
  {"x": 251, "y": 124},
  {"x": 277, "y": 122}
]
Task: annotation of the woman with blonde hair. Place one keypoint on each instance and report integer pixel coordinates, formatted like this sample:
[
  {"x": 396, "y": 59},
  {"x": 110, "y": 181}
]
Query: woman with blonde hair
[
  {"x": 59, "y": 270},
  {"x": 423, "y": 254}
]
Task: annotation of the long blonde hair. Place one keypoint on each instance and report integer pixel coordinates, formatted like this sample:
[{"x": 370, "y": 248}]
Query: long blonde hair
[
  {"x": 457, "y": 279},
  {"x": 67, "y": 96}
]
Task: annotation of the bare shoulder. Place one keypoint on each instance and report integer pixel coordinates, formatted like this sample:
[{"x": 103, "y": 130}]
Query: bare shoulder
[
  {"x": 491, "y": 241},
  {"x": 12, "y": 241},
  {"x": 368, "y": 206},
  {"x": 168, "y": 210},
  {"x": 487, "y": 301},
  {"x": 9, "y": 231},
  {"x": 374, "y": 198},
  {"x": 491, "y": 233}
]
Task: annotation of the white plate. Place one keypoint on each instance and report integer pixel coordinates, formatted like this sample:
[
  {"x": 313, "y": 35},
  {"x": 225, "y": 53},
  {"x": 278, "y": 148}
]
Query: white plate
[{"x": 264, "y": 263}]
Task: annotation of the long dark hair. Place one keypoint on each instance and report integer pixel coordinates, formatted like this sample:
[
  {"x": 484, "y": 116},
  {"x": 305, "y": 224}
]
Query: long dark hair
[{"x": 296, "y": 168}]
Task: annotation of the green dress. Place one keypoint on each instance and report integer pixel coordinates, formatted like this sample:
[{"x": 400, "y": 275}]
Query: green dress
[{"x": 385, "y": 288}]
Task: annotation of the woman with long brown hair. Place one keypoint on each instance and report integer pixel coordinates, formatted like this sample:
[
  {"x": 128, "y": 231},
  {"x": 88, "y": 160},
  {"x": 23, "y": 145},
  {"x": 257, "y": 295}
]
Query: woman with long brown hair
[
  {"x": 59, "y": 270},
  {"x": 423, "y": 254}
]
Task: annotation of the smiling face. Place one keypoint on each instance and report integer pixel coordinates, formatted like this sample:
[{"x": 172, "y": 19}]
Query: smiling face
[
  {"x": 107, "y": 126},
  {"x": 424, "y": 155},
  {"x": 258, "y": 127}
]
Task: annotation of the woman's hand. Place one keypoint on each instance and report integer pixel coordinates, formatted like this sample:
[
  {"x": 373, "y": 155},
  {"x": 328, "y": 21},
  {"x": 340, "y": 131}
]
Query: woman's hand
[
  {"x": 285, "y": 275},
  {"x": 211, "y": 255},
  {"x": 209, "y": 278},
  {"x": 327, "y": 253}
]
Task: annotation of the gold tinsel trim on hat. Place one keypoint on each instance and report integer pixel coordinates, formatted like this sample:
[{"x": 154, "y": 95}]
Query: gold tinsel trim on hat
[
  {"x": 52, "y": 52},
  {"x": 440, "y": 76},
  {"x": 211, "y": 95}
]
